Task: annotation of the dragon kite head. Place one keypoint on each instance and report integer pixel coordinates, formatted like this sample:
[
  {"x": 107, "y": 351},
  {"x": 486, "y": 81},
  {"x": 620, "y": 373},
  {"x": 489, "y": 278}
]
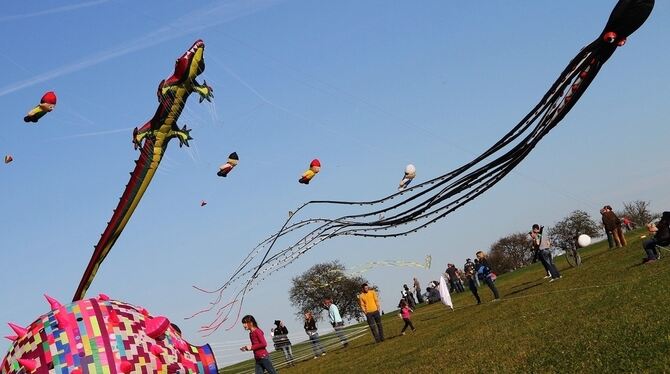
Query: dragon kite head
[{"x": 189, "y": 65}]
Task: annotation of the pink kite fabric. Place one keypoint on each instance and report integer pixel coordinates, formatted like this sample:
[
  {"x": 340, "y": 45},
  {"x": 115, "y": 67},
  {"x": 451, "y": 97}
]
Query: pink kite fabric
[{"x": 100, "y": 335}]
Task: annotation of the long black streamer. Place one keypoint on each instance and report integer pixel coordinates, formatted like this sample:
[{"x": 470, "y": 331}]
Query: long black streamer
[{"x": 430, "y": 201}]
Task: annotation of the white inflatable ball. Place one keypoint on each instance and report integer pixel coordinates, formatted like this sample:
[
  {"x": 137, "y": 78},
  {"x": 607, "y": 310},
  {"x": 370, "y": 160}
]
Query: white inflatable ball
[{"x": 584, "y": 240}]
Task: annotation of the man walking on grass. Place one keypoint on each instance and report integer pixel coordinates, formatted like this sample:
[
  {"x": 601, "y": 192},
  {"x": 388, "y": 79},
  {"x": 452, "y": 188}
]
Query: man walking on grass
[{"x": 370, "y": 306}]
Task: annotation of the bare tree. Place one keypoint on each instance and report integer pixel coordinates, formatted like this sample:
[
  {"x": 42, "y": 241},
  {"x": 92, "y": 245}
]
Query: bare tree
[
  {"x": 638, "y": 211},
  {"x": 565, "y": 232},
  {"x": 511, "y": 252},
  {"x": 326, "y": 280}
]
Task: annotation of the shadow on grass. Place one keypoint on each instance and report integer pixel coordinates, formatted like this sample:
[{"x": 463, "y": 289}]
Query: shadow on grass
[
  {"x": 524, "y": 289},
  {"x": 642, "y": 264},
  {"x": 428, "y": 319},
  {"x": 522, "y": 284}
]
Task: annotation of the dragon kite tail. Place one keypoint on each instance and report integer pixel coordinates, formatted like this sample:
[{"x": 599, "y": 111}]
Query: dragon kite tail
[{"x": 152, "y": 140}]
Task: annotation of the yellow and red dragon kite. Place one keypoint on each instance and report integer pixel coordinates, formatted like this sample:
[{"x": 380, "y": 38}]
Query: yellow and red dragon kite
[{"x": 152, "y": 139}]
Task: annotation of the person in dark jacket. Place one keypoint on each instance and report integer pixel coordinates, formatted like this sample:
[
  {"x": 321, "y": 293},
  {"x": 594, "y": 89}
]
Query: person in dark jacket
[
  {"x": 310, "y": 329},
  {"x": 484, "y": 273},
  {"x": 281, "y": 341},
  {"x": 432, "y": 294},
  {"x": 471, "y": 275},
  {"x": 454, "y": 279},
  {"x": 661, "y": 238},
  {"x": 612, "y": 224},
  {"x": 535, "y": 235},
  {"x": 408, "y": 296}
]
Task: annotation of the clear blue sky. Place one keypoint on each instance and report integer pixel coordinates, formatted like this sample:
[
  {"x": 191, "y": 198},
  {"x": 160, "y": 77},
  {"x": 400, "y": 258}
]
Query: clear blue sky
[{"x": 366, "y": 86}]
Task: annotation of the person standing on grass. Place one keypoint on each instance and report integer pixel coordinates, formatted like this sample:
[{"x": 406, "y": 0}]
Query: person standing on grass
[
  {"x": 370, "y": 305},
  {"x": 258, "y": 344},
  {"x": 417, "y": 291},
  {"x": 310, "y": 329},
  {"x": 545, "y": 252},
  {"x": 610, "y": 238},
  {"x": 335, "y": 320},
  {"x": 281, "y": 341},
  {"x": 470, "y": 276},
  {"x": 612, "y": 225},
  {"x": 536, "y": 238},
  {"x": 484, "y": 273},
  {"x": 454, "y": 281},
  {"x": 406, "y": 314},
  {"x": 409, "y": 296}
]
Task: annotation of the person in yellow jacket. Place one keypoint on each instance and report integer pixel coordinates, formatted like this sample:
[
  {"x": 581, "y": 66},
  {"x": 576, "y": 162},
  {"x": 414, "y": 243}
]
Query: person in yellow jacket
[{"x": 370, "y": 305}]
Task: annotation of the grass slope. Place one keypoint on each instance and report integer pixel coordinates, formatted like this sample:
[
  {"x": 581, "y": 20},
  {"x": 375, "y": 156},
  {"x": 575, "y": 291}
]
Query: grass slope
[{"x": 608, "y": 315}]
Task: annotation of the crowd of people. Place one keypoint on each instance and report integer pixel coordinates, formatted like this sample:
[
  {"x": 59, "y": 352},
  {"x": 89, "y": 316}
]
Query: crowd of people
[{"x": 473, "y": 273}]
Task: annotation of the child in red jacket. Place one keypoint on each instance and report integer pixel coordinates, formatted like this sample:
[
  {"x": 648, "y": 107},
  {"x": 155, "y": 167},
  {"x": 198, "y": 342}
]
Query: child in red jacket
[
  {"x": 406, "y": 315},
  {"x": 258, "y": 344}
]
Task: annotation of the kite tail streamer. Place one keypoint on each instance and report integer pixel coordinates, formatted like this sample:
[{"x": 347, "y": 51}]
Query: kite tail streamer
[{"x": 424, "y": 204}]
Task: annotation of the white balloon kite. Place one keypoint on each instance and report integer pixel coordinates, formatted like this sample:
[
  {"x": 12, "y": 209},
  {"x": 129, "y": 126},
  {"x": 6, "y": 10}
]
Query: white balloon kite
[{"x": 410, "y": 173}]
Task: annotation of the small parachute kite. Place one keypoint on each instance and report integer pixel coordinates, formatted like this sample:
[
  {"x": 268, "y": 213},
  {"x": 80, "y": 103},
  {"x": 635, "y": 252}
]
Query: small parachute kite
[
  {"x": 410, "y": 173},
  {"x": 314, "y": 168},
  {"x": 8, "y": 159},
  {"x": 224, "y": 169},
  {"x": 47, "y": 104}
]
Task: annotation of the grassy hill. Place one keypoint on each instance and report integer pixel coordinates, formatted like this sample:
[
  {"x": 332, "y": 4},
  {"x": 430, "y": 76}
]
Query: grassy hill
[{"x": 609, "y": 315}]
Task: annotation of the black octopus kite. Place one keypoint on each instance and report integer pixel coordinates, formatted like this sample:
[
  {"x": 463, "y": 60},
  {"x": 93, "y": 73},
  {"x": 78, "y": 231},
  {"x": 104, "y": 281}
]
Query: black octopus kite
[{"x": 417, "y": 207}]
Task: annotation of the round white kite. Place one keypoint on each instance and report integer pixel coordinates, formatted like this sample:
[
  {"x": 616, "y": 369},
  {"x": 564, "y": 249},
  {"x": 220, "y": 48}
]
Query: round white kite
[
  {"x": 584, "y": 240},
  {"x": 410, "y": 169}
]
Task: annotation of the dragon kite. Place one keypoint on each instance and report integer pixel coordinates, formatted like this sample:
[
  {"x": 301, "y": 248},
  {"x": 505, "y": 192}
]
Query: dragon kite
[
  {"x": 152, "y": 140},
  {"x": 424, "y": 204}
]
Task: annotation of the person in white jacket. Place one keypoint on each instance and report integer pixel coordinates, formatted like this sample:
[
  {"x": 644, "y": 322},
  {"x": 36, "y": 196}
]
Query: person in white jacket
[{"x": 335, "y": 320}]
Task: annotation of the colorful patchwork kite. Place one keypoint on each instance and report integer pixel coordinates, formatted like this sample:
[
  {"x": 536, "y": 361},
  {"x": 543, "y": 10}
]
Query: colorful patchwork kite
[{"x": 100, "y": 335}]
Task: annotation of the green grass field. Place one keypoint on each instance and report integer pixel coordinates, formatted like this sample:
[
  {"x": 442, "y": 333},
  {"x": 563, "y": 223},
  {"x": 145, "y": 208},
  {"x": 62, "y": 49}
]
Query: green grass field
[{"x": 609, "y": 315}]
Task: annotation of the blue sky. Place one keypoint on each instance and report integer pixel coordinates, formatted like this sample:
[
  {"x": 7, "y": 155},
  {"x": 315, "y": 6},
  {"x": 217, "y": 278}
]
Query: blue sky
[{"x": 366, "y": 86}]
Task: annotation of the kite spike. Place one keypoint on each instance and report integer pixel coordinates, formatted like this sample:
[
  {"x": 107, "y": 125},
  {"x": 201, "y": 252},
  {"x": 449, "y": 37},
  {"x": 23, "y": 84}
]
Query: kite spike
[
  {"x": 157, "y": 326},
  {"x": 113, "y": 318},
  {"x": 53, "y": 303},
  {"x": 11, "y": 338},
  {"x": 61, "y": 319},
  {"x": 156, "y": 350},
  {"x": 103, "y": 297},
  {"x": 181, "y": 346},
  {"x": 28, "y": 364},
  {"x": 20, "y": 331},
  {"x": 125, "y": 367}
]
